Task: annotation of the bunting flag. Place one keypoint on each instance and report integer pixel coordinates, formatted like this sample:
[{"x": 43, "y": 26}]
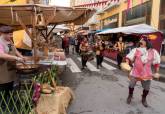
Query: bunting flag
[
  {"x": 100, "y": 3},
  {"x": 128, "y": 4}
]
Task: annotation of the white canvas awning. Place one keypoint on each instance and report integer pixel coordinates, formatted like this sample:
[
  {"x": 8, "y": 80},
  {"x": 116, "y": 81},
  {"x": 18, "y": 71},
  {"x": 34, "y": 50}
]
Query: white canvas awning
[
  {"x": 135, "y": 29},
  {"x": 58, "y": 28}
]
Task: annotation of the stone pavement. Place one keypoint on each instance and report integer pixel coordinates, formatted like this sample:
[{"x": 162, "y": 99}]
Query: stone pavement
[{"x": 105, "y": 92}]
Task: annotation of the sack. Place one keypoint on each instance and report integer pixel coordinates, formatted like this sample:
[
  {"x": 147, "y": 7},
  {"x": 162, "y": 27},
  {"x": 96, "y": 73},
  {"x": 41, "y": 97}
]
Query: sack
[
  {"x": 125, "y": 66},
  {"x": 156, "y": 75}
]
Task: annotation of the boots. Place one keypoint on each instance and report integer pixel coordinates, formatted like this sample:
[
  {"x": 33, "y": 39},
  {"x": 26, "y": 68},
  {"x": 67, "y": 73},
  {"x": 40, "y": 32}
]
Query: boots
[
  {"x": 129, "y": 99},
  {"x": 144, "y": 102}
]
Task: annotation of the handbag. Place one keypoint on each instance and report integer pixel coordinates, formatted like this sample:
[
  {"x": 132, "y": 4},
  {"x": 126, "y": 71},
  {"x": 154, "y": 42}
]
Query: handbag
[{"x": 125, "y": 67}]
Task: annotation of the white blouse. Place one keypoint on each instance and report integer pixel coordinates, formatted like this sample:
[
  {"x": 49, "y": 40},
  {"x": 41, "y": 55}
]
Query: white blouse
[{"x": 144, "y": 56}]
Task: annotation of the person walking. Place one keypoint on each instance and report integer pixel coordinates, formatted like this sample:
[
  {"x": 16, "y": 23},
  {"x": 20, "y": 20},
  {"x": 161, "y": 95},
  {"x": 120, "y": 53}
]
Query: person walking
[
  {"x": 120, "y": 46},
  {"x": 99, "y": 47},
  {"x": 65, "y": 44},
  {"x": 72, "y": 44},
  {"x": 77, "y": 45},
  {"x": 84, "y": 47},
  {"x": 142, "y": 58},
  {"x": 8, "y": 56}
]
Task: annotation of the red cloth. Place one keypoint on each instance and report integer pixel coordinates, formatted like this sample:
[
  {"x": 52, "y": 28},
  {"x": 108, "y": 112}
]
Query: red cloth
[{"x": 110, "y": 54}]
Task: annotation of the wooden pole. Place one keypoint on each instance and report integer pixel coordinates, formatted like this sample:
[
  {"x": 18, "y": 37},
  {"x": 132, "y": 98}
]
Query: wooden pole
[
  {"x": 23, "y": 26},
  {"x": 34, "y": 36},
  {"x": 49, "y": 34}
]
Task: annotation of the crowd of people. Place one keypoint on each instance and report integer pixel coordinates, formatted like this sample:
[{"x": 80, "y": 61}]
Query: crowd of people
[
  {"x": 81, "y": 46},
  {"x": 140, "y": 57}
]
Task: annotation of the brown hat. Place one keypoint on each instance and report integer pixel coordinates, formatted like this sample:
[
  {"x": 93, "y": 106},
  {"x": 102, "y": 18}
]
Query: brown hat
[{"x": 6, "y": 29}]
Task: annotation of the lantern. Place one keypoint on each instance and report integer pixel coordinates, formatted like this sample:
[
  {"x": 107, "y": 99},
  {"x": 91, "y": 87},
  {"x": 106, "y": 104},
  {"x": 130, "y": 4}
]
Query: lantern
[{"x": 40, "y": 21}]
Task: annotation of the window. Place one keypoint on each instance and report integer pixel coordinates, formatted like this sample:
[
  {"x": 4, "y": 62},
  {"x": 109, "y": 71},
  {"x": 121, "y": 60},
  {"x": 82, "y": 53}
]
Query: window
[
  {"x": 162, "y": 7},
  {"x": 137, "y": 12},
  {"x": 111, "y": 22},
  {"x": 162, "y": 17}
]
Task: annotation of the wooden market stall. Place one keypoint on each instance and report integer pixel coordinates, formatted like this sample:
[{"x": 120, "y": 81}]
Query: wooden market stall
[
  {"x": 38, "y": 17},
  {"x": 34, "y": 19}
]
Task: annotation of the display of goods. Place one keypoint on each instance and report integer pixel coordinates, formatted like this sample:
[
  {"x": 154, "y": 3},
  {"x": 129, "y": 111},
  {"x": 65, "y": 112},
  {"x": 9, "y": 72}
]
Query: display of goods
[
  {"x": 27, "y": 66},
  {"x": 31, "y": 58},
  {"x": 47, "y": 89},
  {"x": 59, "y": 50},
  {"x": 56, "y": 50},
  {"x": 59, "y": 56}
]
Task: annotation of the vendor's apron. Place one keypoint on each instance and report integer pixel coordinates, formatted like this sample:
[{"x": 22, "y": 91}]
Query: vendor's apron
[{"x": 7, "y": 69}]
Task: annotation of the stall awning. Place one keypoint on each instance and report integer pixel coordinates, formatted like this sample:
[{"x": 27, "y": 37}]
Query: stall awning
[
  {"x": 135, "y": 29},
  {"x": 102, "y": 30},
  {"x": 53, "y": 14},
  {"x": 58, "y": 28}
]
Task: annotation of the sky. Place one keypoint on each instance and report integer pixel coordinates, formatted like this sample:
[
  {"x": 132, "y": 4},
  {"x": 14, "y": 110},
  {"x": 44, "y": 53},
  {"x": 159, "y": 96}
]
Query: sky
[{"x": 61, "y": 2}]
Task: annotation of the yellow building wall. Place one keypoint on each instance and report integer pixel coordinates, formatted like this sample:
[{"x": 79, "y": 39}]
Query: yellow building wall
[
  {"x": 14, "y": 2},
  {"x": 123, "y": 6},
  {"x": 155, "y": 14}
]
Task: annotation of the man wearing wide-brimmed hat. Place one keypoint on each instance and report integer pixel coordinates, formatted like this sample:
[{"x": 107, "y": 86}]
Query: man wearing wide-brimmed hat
[{"x": 8, "y": 56}]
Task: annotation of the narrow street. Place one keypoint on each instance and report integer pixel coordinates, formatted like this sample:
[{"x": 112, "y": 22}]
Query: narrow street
[{"x": 105, "y": 91}]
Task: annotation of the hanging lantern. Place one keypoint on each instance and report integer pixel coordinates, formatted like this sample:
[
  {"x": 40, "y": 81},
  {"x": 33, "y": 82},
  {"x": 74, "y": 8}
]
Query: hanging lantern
[
  {"x": 40, "y": 21},
  {"x": 152, "y": 37}
]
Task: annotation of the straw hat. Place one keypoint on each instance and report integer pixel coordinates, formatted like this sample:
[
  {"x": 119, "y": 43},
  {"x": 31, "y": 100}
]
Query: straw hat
[{"x": 6, "y": 29}]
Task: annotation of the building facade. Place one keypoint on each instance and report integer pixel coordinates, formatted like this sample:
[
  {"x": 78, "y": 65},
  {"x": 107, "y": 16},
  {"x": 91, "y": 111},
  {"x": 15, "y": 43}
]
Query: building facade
[
  {"x": 151, "y": 12},
  {"x": 88, "y": 3},
  {"x": 46, "y": 2},
  {"x": 147, "y": 12}
]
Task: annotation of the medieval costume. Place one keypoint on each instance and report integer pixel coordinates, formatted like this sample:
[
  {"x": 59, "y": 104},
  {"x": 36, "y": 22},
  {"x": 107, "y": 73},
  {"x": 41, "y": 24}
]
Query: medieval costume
[
  {"x": 142, "y": 58},
  {"x": 84, "y": 48},
  {"x": 99, "y": 47},
  {"x": 120, "y": 46},
  {"x": 8, "y": 57}
]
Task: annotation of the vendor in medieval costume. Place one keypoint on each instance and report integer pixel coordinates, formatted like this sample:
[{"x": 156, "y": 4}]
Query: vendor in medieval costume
[
  {"x": 120, "y": 47},
  {"x": 8, "y": 56},
  {"x": 84, "y": 48},
  {"x": 99, "y": 47},
  {"x": 142, "y": 58}
]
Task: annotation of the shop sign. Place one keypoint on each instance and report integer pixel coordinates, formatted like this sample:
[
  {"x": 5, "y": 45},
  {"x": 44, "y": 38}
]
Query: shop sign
[{"x": 110, "y": 21}]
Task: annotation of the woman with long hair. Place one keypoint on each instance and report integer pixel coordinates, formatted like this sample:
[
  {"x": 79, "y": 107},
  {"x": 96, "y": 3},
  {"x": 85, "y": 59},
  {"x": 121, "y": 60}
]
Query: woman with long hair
[
  {"x": 120, "y": 47},
  {"x": 99, "y": 47},
  {"x": 142, "y": 58}
]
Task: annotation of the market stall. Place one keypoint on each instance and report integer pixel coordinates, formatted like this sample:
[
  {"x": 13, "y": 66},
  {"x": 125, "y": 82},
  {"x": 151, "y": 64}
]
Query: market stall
[
  {"x": 133, "y": 34},
  {"x": 34, "y": 19},
  {"x": 38, "y": 17}
]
